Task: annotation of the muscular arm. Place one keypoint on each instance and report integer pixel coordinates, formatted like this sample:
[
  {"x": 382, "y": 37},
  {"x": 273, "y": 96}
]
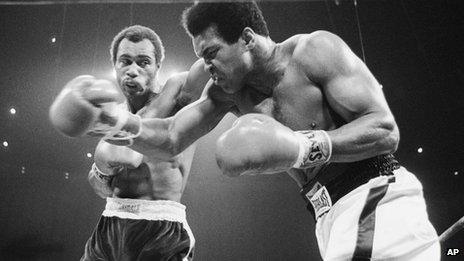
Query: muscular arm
[
  {"x": 193, "y": 86},
  {"x": 168, "y": 137},
  {"x": 161, "y": 106},
  {"x": 350, "y": 89},
  {"x": 353, "y": 92},
  {"x": 178, "y": 91},
  {"x": 164, "y": 104}
]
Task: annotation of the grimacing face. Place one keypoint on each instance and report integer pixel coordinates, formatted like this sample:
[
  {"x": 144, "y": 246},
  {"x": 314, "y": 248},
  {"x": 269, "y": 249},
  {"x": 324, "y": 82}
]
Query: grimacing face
[
  {"x": 227, "y": 63},
  {"x": 136, "y": 67}
]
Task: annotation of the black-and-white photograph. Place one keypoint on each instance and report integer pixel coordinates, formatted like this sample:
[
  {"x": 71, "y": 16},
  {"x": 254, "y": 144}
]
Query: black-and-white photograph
[{"x": 269, "y": 130}]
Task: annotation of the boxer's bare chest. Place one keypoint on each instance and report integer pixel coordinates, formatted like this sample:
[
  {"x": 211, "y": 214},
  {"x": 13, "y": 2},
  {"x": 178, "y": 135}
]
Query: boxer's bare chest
[
  {"x": 295, "y": 101},
  {"x": 154, "y": 178}
]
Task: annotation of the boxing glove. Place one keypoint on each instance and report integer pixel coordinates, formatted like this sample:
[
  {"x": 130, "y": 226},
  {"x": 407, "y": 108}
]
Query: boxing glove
[
  {"x": 111, "y": 159},
  {"x": 87, "y": 105},
  {"x": 258, "y": 144}
]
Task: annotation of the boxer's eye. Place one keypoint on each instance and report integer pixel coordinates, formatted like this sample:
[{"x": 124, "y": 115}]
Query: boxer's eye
[
  {"x": 143, "y": 63},
  {"x": 125, "y": 61},
  {"x": 210, "y": 54}
]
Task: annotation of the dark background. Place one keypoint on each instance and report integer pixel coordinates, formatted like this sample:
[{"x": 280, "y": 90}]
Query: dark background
[{"x": 47, "y": 208}]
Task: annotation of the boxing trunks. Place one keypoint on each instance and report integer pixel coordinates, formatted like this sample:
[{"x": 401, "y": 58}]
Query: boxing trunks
[
  {"x": 133, "y": 229},
  {"x": 375, "y": 210}
]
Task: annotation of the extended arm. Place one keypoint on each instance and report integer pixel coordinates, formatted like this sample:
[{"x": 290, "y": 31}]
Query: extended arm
[
  {"x": 165, "y": 138},
  {"x": 168, "y": 137}
]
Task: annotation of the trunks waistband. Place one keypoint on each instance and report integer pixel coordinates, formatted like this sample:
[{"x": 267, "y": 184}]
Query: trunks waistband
[
  {"x": 319, "y": 192},
  {"x": 145, "y": 209}
]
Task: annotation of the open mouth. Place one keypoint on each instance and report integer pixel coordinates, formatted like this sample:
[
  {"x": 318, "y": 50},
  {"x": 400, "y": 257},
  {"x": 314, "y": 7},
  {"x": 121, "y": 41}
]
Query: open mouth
[{"x": 132, "y": 85}]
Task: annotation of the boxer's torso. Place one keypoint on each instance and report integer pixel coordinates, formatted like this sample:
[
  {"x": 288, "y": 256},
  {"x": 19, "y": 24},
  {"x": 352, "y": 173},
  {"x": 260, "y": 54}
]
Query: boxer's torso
[
  {"x": 296, "y": 101},
  {"x": 154, "y": 178}
]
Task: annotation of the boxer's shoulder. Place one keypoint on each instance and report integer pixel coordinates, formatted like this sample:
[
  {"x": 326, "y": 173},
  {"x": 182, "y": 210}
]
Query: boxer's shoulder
[
  {"x": 176, "y": 80},
  {"x": 316, "y": 39},
  {"x": 315, "y": 44},
  {"x": 317, "y": 51}
]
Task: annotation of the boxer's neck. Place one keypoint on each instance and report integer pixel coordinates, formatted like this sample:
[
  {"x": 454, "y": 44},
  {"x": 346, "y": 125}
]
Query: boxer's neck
[
  {"x": 267, "y": 69},
  {"x": 138, "y": 102}
]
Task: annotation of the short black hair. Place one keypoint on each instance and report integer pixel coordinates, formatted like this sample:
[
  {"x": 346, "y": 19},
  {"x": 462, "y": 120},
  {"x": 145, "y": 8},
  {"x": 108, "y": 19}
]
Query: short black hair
[
  {"x": 137, "y": 33},
  {"x": 230, "y": 18}
]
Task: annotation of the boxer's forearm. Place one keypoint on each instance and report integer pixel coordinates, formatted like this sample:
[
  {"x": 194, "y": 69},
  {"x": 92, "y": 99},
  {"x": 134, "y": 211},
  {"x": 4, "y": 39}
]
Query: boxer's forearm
[
  {"x": 256, "y": 167},
  {"x": 156, "y": 138},
  {"x": 367, "y": 136},
  {"x": 258, "y": 144},
  {"x": 160, "y": 138},
  {"x": 354, "y": 94},
  {"x": 168, "y": 137}
]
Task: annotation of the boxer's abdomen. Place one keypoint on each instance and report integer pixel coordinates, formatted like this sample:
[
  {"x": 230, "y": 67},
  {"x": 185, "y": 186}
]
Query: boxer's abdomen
[{"x": 160, "y": 180}]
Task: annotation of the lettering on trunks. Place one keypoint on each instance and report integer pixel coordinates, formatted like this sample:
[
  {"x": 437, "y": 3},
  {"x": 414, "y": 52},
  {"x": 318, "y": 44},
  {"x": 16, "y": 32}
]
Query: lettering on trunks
[
  {"x": 320, "y": 199},
  {"x": 130, "y": 208}
]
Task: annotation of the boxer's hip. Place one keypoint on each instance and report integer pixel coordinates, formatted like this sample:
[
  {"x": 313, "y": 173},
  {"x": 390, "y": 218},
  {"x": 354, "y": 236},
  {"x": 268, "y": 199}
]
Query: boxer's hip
[{"x": 130, "y": 228}]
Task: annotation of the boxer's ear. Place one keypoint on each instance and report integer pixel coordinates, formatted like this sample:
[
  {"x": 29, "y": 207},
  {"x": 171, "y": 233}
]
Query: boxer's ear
[{"x": 248, "y": 36}]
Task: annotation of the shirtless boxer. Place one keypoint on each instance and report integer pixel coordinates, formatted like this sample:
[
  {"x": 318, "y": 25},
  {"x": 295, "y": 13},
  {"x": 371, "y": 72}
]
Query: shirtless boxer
[
  {"x": 143, "y": 218},
  {"x": 322, "y": 117}
]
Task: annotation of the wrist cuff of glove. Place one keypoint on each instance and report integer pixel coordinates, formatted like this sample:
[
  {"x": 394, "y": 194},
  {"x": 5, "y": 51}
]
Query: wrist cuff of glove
[
  {"x": 101, "y": 176},
  {"x": 315, "y": 148}
]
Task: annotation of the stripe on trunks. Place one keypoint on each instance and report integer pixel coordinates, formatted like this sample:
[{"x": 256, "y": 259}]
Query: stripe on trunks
[{"x": 366, "y": 224}]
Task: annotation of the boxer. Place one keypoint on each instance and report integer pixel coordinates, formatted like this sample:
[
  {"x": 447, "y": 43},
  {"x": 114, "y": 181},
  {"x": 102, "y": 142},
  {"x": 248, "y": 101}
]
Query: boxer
[
  {"x": 312, "y": 108},
  {"x": 143, "y": 218}
]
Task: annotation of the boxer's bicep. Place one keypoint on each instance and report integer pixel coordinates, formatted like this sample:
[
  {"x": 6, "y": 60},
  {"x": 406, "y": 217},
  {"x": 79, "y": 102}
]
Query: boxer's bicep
[
  {"x": 353, "y": 92},
  {"x": 164, "y": 103},
  {"x": 194, "y": 84},
  {"x": 348, "y": 85}
]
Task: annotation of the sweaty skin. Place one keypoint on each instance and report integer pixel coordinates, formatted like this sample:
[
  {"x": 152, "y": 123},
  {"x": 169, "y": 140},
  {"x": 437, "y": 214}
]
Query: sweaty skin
[
  {"x": 310, "y": 81},
  {"x": 155, "y": 178}
]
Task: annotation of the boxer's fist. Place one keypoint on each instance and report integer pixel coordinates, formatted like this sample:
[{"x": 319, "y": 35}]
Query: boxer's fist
[
  {"x": 79, "y": 106},
  {"x": 111, "y": 159},
  {"x": 256, "y": 144}
]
